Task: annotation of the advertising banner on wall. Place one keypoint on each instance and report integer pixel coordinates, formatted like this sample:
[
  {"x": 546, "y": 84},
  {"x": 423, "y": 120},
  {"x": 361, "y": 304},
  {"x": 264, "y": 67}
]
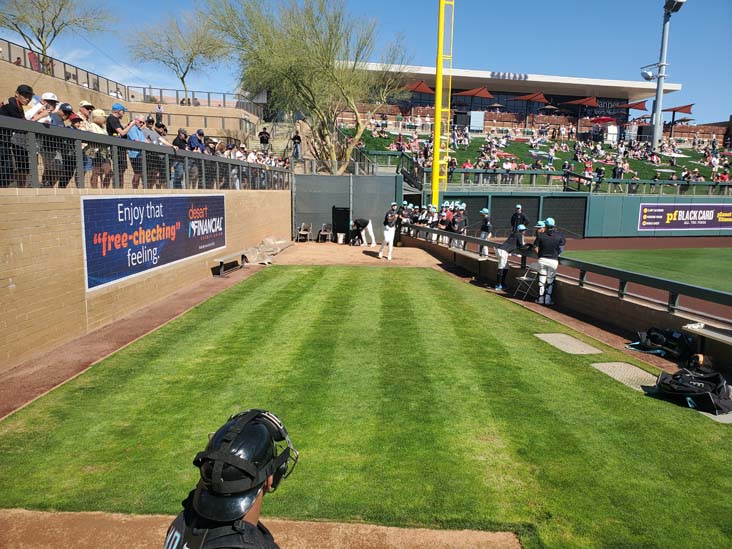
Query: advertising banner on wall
[
  {"x": 680, "y": 217},
  {"x": 126, "y": 236}
]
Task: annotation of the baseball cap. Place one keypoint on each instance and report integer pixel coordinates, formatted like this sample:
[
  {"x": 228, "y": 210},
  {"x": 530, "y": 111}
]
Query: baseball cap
[
  {"x": 518, "y": 206},
  {"x": 183, "y": 131},
  {"x": 410, "y": 206},
  {"x": 404, "y": 202},
  {"x": 521, "y": 227},
  {"x": 74, "y": 118},
  {"x": 539, "y": 225},
  {"x": 549, "y": 221},
  {"x": 461, "y": 206},
  {"x": 119, "y": 107},
  {"x": 149, "y": 119},
  {"x": 485, "y": 211},
  {"x": 199, "y": 131},
  {"x": 98, "y": 113},
  {"x": 86, "y": 105},
  {"x": 393, "y": 203},
  {"x": 229, "y": 147},
  {"x": 49, "y": 96},
  {"x": 66, "y": 108},
  {"x": 25, "y": 90}
]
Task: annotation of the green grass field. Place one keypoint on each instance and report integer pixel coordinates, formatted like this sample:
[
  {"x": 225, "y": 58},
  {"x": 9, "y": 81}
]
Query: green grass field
[
  {"x": 414, "y": 398},
  {"x": 706, "y": 267}
]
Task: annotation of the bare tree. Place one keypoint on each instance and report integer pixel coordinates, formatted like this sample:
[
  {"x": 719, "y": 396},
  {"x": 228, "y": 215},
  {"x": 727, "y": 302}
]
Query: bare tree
[
  {"x": 182, "y": 44},
  {"x": 311, "y": 56},
  {"x": 40, "y": 22}
]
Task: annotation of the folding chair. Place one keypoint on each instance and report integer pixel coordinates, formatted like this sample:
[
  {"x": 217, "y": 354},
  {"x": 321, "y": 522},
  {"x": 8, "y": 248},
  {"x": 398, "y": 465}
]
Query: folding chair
[
  {"x": 528, "y": 284},
  {"x": 306, "y": 230},
  {"x": 325, "y": 232}
]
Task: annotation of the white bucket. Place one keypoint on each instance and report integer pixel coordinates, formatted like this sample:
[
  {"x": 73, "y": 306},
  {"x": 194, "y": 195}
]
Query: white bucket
[{"x": 341, "y": 238}]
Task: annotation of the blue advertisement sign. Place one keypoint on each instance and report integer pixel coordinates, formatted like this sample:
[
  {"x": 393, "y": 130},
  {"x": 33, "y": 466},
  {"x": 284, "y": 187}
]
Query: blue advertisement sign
[
  {"x": 129, "y": 235},
  {"x": 690, "y": 216}
]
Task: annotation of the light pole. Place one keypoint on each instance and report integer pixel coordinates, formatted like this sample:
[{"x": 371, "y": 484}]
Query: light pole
[{"x": 671, "y": 6}]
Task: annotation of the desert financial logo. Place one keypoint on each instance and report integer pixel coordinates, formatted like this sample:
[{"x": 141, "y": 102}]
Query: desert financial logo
[{"x": 200, "y": 225}]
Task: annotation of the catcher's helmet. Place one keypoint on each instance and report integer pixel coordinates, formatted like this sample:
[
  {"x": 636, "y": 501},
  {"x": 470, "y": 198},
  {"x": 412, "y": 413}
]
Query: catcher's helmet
[{"x": 237, "y": 462}]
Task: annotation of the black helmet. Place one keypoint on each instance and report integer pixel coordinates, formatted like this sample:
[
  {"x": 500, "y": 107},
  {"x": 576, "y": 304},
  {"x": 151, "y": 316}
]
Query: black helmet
[{"x": 237, "y": 462}]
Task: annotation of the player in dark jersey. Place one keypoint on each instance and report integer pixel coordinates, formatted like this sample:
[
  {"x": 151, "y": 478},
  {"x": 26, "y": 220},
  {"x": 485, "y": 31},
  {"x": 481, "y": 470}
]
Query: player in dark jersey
[
  {"x": 518, "y": 218},
  {"x": 390, "y": 227},
  {"x": 514, "y": 242},
  {"x": 247, "y": 457},
  {"x": 548, "y": 245}
]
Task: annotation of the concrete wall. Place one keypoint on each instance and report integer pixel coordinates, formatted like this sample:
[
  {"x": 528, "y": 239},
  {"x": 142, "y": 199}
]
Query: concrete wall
[{"x": 42, "y": 292}]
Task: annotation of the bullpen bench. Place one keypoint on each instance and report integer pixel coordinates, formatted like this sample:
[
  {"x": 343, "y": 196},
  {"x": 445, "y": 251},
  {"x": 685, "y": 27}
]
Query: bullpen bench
[
  {"x": 705, "y": 332},
  {"x": 234, "y": 261}
]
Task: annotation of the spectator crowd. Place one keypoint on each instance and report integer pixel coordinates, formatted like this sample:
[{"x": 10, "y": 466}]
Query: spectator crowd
[{"x": 58, "y": 155}]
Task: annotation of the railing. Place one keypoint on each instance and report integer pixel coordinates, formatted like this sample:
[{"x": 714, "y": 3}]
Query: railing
[
  {"x": 56, "y": 68},
  {"x": 194, "y": 98},
  {"x": 33, "y": 155},
  {"x": 360, "y": 163},
  {"x": 194, "y": 121},
  {"x": 671, "y": 288},
  {"x": 510, "y": 180},
  {"x": 23, "y": 57}
]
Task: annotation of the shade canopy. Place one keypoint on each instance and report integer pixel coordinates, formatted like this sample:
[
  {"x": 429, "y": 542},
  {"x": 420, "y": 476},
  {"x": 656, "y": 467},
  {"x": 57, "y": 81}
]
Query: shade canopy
[
  {"x": 585, "y": 102},
  {"x": 537, "y": 97},
  {"x": 684, "y": 119},
  {"x": 420, "y": 87},
  {"x": 686, "y": 109},
  {"x": 477, "y": 92},
  {"x": 550, "y": 108},
  {"x": 638, "y": 105},
  {"x": 496, "y": 106},
  {"x": 603, "y": 120}
]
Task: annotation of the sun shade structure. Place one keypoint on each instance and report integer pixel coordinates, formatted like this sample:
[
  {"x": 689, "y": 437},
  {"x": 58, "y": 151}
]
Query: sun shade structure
[
  {"x": 584, "y": 102},
  {"x": 477, "y": 92},
  {"x": 638, "y": 105},
  {"x": 536, "y": 97},
  {"x": 603, "y": 120},
  {"x": 420, "y": 87},
  {"x": 686, "y": 109}
]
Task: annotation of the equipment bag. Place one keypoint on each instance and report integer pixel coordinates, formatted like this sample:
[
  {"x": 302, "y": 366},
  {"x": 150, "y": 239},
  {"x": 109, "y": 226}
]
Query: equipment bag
[
  {"x": 673, "y": 343},
  {"x": 702, "y": 390}
]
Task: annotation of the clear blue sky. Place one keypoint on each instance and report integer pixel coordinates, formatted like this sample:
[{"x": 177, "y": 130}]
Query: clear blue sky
[{"x": 590, "y": 38}]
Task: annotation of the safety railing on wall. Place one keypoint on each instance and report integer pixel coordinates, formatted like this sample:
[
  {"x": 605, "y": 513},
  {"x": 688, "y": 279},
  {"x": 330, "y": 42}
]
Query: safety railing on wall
[
  {"x": 606, "y": 278},
  {"x": 56, "y": 68},
  {"x": 195, "y": 121},
  {"x": 34, "y": 155},
  {"x": 553, "y": 180},
  {"x": 50, "y": 66},
  {"x": 195, "y": 98}
]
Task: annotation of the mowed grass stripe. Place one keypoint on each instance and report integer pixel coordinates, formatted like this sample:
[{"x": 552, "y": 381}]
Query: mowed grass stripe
[
  {"x": 579, "y": 444},
  {"x": 416, "y": 399},
  {"x": 328, "y": 400}
]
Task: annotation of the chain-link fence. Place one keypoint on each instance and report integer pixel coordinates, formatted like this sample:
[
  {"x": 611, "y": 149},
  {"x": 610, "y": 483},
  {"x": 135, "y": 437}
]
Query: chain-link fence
[{"x": 34, "y": 155}]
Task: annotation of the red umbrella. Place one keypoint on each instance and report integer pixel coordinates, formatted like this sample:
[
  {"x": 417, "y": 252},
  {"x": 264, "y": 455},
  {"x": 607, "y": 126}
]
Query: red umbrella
[
  {"x": 420, "y": 87},
  {"x": 603, "y": 120},
  {"x": 502, "y": 154}
]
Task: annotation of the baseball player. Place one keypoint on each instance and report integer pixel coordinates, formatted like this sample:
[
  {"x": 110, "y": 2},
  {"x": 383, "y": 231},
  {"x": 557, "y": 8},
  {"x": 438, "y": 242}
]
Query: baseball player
[
  {"x": 548, "y": 245},
  {"x": 247, "y": 457},
  {"x": 364, "y": 227},
  {"x": 459, "y": 225},
  {"x": 513, "y": 242},
  {"x": 518, "y": 218},
  {"x": 486, "y": 230},
  {"x": 390, "y": 227}
]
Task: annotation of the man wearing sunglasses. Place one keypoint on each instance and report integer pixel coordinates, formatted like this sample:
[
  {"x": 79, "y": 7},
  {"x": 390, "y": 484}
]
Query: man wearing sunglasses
[{"x": 247, "y": 457}]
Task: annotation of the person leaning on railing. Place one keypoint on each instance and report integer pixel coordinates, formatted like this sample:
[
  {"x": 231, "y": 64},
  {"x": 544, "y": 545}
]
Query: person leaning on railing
[{"x": 14, "y": 161}]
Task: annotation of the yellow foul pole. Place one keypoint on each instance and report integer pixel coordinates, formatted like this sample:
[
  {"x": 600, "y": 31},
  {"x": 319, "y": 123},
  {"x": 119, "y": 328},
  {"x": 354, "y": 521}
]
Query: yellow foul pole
[{"x": 443, "y": 90}]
